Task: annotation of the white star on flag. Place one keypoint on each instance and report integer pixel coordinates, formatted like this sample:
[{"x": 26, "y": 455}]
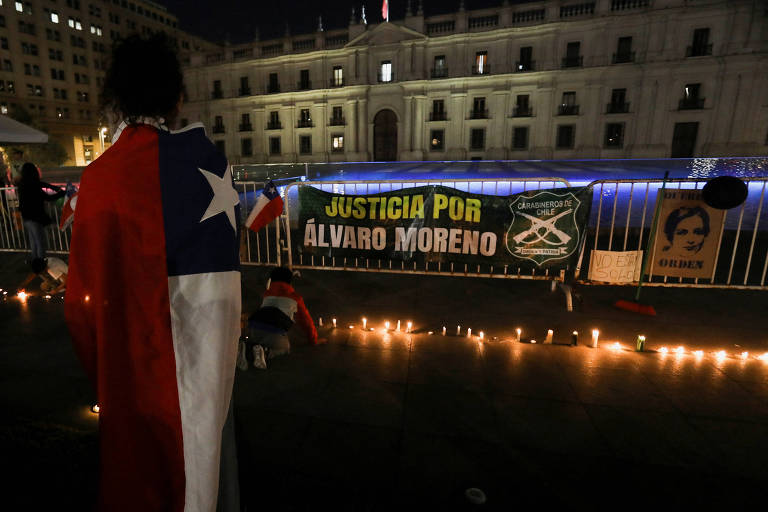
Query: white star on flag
[{"x": 224, "y": 196}]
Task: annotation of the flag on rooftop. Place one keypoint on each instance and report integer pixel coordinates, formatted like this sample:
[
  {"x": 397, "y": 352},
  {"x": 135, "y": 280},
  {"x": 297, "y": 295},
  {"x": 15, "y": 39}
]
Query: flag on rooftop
[{"x": 385, "y": 10}]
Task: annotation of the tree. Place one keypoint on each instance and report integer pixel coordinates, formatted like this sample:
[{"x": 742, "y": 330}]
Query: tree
[{"x": 50, "y": 154}]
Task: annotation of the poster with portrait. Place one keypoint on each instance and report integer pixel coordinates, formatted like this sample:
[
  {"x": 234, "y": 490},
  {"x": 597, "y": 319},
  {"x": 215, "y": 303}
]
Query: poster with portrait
[{"x": 686, "y": 236}]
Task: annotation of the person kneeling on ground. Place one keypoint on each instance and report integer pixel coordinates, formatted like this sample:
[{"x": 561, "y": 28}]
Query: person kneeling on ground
[
  {"x": 268, "y": 326},
  {"x": 51, "y": 271}
]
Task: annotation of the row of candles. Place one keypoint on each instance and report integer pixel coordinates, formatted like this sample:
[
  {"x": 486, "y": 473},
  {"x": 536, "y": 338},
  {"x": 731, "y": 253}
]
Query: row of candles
[{"x": 640, "y": 343}]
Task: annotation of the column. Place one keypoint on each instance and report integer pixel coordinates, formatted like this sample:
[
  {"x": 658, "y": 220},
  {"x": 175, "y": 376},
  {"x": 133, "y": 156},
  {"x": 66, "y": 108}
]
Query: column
[
  {"x": 418, "y": 127},
  {"x": 362, "y": 133},
  {"x": 351, "y": 130},
  {"x": 407, "y": 128}
]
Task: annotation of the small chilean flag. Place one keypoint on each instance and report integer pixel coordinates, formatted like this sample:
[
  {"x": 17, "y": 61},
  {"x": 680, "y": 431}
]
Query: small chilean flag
[
  {"x": 68, "y": 209},
  {"x": 385, "y": 10},
  {"x": 269, "y": 206}
]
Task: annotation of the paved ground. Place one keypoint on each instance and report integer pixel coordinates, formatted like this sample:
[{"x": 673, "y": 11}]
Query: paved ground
[{"x": 376, "y": 421}]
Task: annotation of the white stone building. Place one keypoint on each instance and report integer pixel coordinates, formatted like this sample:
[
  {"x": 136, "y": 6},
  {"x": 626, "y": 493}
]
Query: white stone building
[{"x": 538, "y": 80}]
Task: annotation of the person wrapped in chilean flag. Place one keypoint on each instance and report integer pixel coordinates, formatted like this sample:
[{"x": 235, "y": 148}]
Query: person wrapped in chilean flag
[{"x": 153, "y": 296}]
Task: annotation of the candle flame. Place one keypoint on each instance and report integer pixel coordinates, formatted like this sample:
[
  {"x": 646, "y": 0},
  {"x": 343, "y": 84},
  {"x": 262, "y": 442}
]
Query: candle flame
[
  {"x": 745, "y": 355},
  {"x": 698, "y": 353},
  {"x": 87, "y": 298},
  {"x": 763, "y": 357},
  {"x": 386, "y": 325},
  {"x": 680, "y": 350},
  {"x": 482, "y": 334},
  {"x": 615, "y": 346},
  {"x": 408, "y": 327},
  {"x": 664, "y": 350},
  {"x": 95, "y": 408},
  {"x": 720, "y": 355}
]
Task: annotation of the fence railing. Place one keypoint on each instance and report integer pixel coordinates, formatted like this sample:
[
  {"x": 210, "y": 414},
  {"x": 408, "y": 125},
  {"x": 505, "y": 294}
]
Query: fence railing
[{"x": 13, "y": 235}]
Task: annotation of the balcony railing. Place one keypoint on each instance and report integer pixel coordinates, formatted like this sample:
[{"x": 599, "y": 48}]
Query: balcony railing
[
  {"x": 438, "y": 116},
  {"x": 218, "y": 128},
  {"x": 337, "y": 121},
  {"x": 273, "y": 88},
  {"x": 244, "y": 91},
  {"x": 573, "y": 62},
  {"x": 381, "y": 78},
  {"x": 699, "y": 50},
  {"x": 567, "y": 110},
  {"x": 304, "y": 123},
  {"x": 439, "y": 72},
  {"x": 245, "y": 127},
  {"x": 478, "y": 114},
  {"x": 217, "y": 94},
  {"x": 525, "y": 65},
  {"x": 522, "y": 112},
  {"x": 336, "y": 82},
  {"x": 304, "y": 85},
  {"x": 617, "y": 108},
  {"x": 274, "y": 125},
  {"x": 485, "y": 69},
  {"x": 621, "y": 58},
  {"x": 691, "y": 104}
]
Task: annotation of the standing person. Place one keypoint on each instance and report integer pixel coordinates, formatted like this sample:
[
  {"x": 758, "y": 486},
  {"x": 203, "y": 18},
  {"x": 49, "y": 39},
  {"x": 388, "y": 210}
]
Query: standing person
[
  {"x": 31, "y": 206},
  {"x": 153, "y": 293}
]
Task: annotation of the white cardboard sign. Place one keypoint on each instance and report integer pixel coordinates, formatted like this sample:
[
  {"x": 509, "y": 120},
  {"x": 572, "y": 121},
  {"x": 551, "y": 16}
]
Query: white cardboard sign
[{"x": 615, "y": 266}]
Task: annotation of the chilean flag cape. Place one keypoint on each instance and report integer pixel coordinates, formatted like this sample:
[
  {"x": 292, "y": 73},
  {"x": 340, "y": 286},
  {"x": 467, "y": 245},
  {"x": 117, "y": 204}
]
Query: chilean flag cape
[
  {"x": 68, "y": 208},
  {"x": 268, "y": 207},
  {"x": 153, "y": 308}
]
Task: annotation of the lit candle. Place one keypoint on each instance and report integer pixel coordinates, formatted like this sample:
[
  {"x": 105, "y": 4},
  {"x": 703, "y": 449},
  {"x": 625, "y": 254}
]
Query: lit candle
[
  {"x": 87, "y": 298},
  {"x": 408, "y": 326},
  {"x": 533, "y": 342},
  {"x": 351, "y": 326},
  {"x": 398, "y": 326},
  {"x": 443, "y": 330},
  {"x": 386, "y": 325},
  {"x": 616, "y": 346},
  {"x": 365, "y": 322},
  {"x": 763, "y": 357},
  {"x": 482, "y": 335},
  {"x": 663, "y": 351},
  {"x": 469, "y": 332},
  {"x": 680, "y": 350},
  {"x": 640, "y": 344},
  {"x": 458, "y": 330},
  {"x": 721, "y": 355},
  {"x": 320, "y": 321},
  {"x": 575, "y": 338},
  {"x": 95, "y": 408},
  {"x": 430, "y": 333},
  {"x": 745, "y": 355},
  {"x": 548, "y": 339},
  {"x": 519, "y": 331},
  {"x": 47, "y": 297},
  {"x": 334, "y": 323},
  {"x": 595, "y": 336},
  {"x": 698, "y": 353},
  {"x": 22, "y": 296}
]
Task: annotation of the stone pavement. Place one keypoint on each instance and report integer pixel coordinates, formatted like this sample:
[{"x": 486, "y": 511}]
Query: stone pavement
[{"x": 396, "y": 421}]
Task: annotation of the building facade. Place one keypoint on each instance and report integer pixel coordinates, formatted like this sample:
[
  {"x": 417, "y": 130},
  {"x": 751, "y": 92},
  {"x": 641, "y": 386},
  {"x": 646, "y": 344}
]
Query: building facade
[
  {"x": 53, "y": 56},
  {"x": 538, "y": 80}
]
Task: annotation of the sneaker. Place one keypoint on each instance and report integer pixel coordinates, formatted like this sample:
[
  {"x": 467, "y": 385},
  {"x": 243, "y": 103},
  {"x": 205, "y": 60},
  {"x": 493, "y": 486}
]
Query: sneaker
[
  {"x": 242, "y": 362},
  {"x": 259, "y": 361}
]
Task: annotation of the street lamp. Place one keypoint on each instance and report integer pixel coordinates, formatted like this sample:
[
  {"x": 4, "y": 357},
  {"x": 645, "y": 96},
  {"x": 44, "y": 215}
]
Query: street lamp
[{"x": 102, "y": 135}]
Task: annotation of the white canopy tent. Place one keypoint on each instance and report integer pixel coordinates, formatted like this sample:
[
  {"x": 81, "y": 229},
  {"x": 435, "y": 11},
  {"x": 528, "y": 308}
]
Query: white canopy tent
[{"x": 14, "y": 132}]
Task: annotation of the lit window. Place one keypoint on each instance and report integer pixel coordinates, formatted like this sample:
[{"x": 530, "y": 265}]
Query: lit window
[
  {"x": 386, "y": 71},
  {"x": 78, "y": 25},
  {"x": 19, "y": 7},
  {"x": 338, "y": 76},
  {"x": 337, "y": 143},
  {"x": 3, "y": 109},
  {"x": 54, "y": 17},
  {"x": 481, "y": 63},
  {"x": 71, "y": 22}
]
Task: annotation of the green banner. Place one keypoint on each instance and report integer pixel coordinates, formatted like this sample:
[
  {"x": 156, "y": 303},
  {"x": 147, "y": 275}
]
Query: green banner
[{"x": 534, "y": 229}]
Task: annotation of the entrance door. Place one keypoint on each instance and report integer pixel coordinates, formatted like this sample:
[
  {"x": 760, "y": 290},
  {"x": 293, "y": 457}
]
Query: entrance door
[
  {"x": 385, "y": 136},
  {"x": 684, "y": 140}
]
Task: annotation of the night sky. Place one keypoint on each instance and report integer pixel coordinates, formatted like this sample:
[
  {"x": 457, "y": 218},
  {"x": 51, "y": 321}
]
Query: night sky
[{"x": 237, "y": 20}]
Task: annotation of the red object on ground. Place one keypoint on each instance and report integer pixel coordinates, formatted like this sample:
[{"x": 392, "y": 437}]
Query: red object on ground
[{"x": 635, "y": 307}]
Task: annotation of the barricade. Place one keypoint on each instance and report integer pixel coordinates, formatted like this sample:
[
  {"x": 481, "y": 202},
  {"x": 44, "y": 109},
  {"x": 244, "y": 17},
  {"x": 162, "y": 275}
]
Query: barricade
[
  {"x": 13, "y": 236},
  {"x": 621, "y": 219}
]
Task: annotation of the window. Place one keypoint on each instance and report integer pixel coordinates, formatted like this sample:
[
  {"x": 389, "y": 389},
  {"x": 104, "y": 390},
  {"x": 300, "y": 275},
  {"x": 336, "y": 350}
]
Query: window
[
  {"x": 4, "y": 43},
  {"x": 338, "y": 76},
  {"x": 438, "y": 111},
  {"x": 82, "y": 79},
  {"x": 304, "y": 82},
  {"x": 59, "y": 94},
  {"x": 684, "y": 140},
  {"x": 273, "y": 86},
  {"x": 245, "y": 123},
  {"x": 7, "y": 65},
  {"x": 26, "y": 28},
  {"x": 19, "y": 6},
  {"x": 477, "y": 139},
  {"x": 624, "y": 51},
  {"x": 305, "y": 119},
  {"x": 245, "y": 88},
  {"x": 337, "y": 116},
  {"x": 565, "y": 136},
  {"x": 385, "y": 72},
  {"x": 439, "y": 69},
  {"x": 520, "y": 137},
  {"x": 29, "y": 49},
  {"x": 691, "y": 97},
  {"x": 57, "y": 74},
  {"x": 305, "y": 144},
  {"x": 55, "y": 55},
  {"x": 478, "y": 108},
  {"x": 274, "y": 121},
  {"x": 274, "y": 145},
  {"x": 54, "y": 17},
  {"x": 618, "y": 104},
  {"x": 79, "y": 60},
  {"x": 614, "y": 135},
  {"x": 246, "y": 147},
  {"x": 218, "y": 124},
  {"x": 572, "y": 55},
  {"x": 52, "y": 35},
  {"x": 568, "y": 107},
  {"x": 96, "y": 29},
  {"x": 522, "y": 106},
  {"x": 701, "y": 45},
  {"x": 526, "y": 59},
  {"x": 221, "y": 146},
  {"x": 82, "y": 96},
  {"x": 437, "y": 140},
  {"x": 337, "y": 143}
]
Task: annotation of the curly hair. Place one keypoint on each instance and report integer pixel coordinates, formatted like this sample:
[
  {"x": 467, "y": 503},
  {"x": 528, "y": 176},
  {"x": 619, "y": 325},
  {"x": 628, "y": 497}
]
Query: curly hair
[{"x": 144, "y": 77}]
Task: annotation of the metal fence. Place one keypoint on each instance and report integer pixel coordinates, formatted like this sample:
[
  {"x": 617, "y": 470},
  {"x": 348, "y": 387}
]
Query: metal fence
[
  {"x": 621, "y": 218},
  {"x": 13, "y": 236}
]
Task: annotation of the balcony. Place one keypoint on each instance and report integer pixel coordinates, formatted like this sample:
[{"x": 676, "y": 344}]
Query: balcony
[
  {"x": 337, "y": 121},
  {"x": 304, "y": 85},
  {"x": 567, "y": 110},
  {"x": 438, "y": 116},
  {"x": 623, "y": 57},
  {"x": 304, "y": 123},
  {"x": 217, "y": 94},
  {"x": 438, "y": 72},
  {"x": 481, "y": 70},
  {"x": 245, "y": 127},
  {"x": 617, "y": 108},
  {"x": 573, "y": 62},
  {"x": 336, "y": 82},
  {"x": 478, "y": 114},
  {"x": 218, "y": 128},
  {"x": 522, "y": 112},
  {"x": 274, "y": 125},
  {"x": 273, "y": 88},
  {"x": 700, "y": 50},
  {"x": 390, "y": 77},
  {"x": 691, "y": 104},
  {"x": 244, "y": 91},
  {"x": 524, "y": 65}
]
